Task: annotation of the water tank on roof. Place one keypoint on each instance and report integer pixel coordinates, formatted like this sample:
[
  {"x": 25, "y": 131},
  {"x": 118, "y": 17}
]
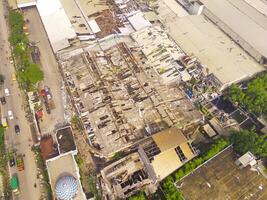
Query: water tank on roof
[{"x": 66, "y": 187}]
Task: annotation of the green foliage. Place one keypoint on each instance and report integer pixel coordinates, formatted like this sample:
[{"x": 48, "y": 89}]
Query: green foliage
[
  {"x": 139, "y": 196},
  {"x": 244, "y": 141},
  {"x": 170, "y": 191},
  {"x": 2, "y": 149},
  {"x": 28, "y": 73},
  {"x": 16, "y": 28},
  {"x": 76, "y": 122},
  {"x": 15, "y": 20},
  {"x": 32, "y": 74},
  {"x": 216, "y": 147},
  {"x": 93, "y": 186},
  {"x": 254, "y": 98},
  {"x": 3, "y": 165},
  {"x": 79, "y": 160},
  {"x": 118, "y": 155}
]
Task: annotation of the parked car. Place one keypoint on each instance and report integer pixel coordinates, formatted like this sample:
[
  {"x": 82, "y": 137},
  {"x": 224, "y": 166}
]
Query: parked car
[
  {"x": 3, "y": 100},
  {"x": 10, "y": 114},
  {"x": 7, "y": 92},
  {"x": 17, "y": 129},
  {"x": 4, "y": 122},
  {"x": 12, "y": 162}
]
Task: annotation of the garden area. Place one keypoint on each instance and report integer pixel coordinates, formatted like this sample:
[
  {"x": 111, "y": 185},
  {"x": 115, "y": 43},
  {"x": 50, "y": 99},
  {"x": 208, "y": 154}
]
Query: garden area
[{"x": 28, "y": 73}]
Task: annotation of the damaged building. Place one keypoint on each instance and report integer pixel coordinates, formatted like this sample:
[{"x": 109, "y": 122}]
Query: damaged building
[
  {"x": 119, "y": 96},
  {"x": 158, "y": 156}
]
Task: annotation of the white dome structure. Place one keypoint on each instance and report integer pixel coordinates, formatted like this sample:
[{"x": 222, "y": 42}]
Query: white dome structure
[{"x": 66, "y": 187}]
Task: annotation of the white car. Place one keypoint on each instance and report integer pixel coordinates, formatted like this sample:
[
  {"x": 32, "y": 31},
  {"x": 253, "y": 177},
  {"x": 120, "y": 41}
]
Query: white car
[
  {"x": 10, "y": 114},
  {"x": 7, "y": 92}
]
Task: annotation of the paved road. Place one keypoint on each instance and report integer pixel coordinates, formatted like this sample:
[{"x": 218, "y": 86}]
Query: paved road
[{"x": 22, "y": 142}]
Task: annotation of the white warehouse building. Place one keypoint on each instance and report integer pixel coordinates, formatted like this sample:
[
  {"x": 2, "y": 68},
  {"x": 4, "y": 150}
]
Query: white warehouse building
[{"x": 245, "y": 21}]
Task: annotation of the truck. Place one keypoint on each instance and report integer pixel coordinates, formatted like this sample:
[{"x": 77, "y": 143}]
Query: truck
[
  {"x": 20, "y": 163},
  {"x": 14, "y": 183}
]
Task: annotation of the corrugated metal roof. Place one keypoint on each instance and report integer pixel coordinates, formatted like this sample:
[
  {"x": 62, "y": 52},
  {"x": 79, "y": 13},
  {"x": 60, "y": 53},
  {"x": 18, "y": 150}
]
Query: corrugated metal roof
[{"x": 56, "y": 23}]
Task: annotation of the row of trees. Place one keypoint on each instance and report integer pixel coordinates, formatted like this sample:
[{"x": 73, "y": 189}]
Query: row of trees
[
  {"x": 254, "y": 97},
  {"x": 28, "y": 72},
  {"x": 3, "y": 164}
]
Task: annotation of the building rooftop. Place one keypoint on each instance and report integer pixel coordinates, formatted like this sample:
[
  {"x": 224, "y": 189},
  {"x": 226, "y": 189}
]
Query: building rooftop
[
  {"x": 166, "y": 151},
  {"x": 25, "y": 3},
  {"x": 253, "y": 28},
  {"x": 76, "y": 17},
  {"x": 259, "y": 5},
  {"x": 65, "y": 140},
  {"x": 222, "y": 179},
  {"x": 169, "y": 138},
  {"x": 47, "y": 148},
  {"x": 64, "y": 165},
  {"x": 54, "y": 18},
  {"x": 198, "y": 36},
  {"x": 92, "y": 7}
]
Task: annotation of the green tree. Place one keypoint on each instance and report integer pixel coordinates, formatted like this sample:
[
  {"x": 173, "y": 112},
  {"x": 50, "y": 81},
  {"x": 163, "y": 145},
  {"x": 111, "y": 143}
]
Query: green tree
[
  {"x": 16, "y": 28},
  {"x": 236, "y": 94},
  {"x": 139, "y": 196},
  {"x": 170, "y": 191},
  {"x": 254, "y": 98},
  {"x": 244, "y": 141},
  {"x": 15, "y": 19},
  {"x": 118, "y": 155},
  {"x": 76, "y": 122},
  {"x": 31, "y": 75}
]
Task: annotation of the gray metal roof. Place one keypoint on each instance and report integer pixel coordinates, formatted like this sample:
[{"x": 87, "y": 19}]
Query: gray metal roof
[{"x": 243, "y": 19}]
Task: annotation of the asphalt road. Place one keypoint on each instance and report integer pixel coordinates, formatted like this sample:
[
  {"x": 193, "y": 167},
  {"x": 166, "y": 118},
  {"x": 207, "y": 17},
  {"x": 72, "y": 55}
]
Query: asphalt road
[{"x": 20, "y": 142}]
